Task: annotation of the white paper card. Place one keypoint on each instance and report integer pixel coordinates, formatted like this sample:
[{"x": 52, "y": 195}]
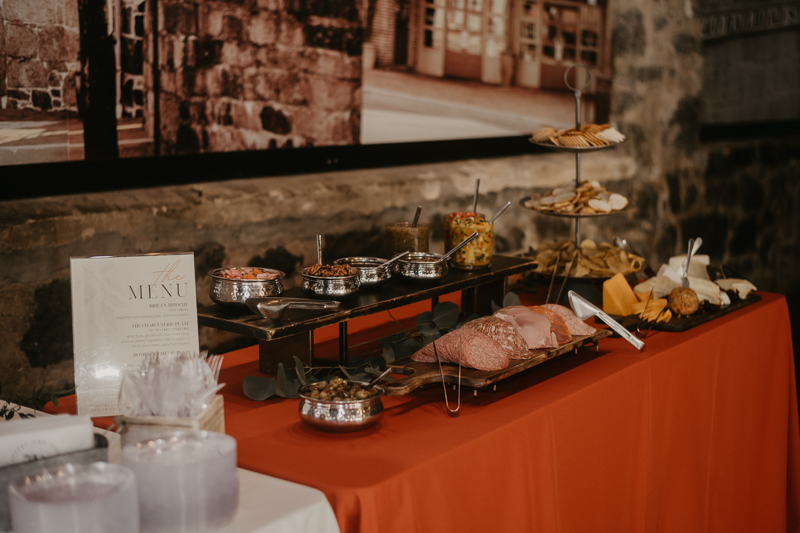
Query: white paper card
[{"x": 125, "y": 309}]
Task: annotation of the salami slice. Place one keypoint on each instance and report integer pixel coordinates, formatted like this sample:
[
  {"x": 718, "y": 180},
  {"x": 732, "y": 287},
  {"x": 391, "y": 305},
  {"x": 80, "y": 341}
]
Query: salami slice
[
  {"x": 504, "y": 333},
  {"x": 576, "y": 325},
  {"x": 482, "y": 352},
  {"x": 474, "y": 349},
  {"x": 557, "y": 324},
  {"x": 447, "y": 346}
]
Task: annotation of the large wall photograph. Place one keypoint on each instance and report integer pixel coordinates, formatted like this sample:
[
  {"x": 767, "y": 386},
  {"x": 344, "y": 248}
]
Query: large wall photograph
[{"x": 107, "y": 79}]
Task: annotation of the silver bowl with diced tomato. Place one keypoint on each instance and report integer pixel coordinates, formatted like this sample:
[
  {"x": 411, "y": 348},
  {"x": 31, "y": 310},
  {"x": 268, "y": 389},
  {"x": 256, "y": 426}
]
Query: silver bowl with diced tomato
[{"x": 233, "y": 286}]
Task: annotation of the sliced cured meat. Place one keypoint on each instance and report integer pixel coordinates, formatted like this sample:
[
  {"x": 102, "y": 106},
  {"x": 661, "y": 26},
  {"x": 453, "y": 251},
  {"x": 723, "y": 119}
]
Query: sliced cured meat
[
  {"x": 482, "y": 352},
  {"x": 534, "y": 327},
  {"x": 447, "y": 346},
  {"x": 557, "y": 324},
  {"x": 472, "y": 348},
  {"x": 505, "y": 334},
  {"x": 576, "y": 325}
]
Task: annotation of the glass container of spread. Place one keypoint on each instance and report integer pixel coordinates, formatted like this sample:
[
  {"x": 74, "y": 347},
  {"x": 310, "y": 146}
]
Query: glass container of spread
[
  {"x": 402, "y": 237},
  {"x": 478, "y": 253}
]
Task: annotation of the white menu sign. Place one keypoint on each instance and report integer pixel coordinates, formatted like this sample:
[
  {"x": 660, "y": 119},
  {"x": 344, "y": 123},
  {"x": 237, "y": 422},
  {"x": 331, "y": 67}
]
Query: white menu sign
[{"x": 124, "y": 310}]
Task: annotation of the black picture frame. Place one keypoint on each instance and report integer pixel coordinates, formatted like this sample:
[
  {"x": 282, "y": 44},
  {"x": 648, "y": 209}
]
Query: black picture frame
[{"x": 95, "y": 176}]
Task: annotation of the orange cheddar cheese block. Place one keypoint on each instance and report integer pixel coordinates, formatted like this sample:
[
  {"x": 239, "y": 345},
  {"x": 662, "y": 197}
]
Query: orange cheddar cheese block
[{"x": 618, "y": 297}]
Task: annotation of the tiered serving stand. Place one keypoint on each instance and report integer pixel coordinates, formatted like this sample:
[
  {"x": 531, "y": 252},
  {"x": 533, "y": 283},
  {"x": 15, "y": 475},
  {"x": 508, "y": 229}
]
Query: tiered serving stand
[{"x": 576, "y": 150}]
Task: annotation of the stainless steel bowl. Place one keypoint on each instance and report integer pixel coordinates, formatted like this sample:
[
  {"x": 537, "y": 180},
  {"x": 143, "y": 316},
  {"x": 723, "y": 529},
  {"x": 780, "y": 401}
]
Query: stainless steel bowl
[
  {"x": 226, "y": 291},
  {"x": 330, "y": 287},
  {"x": 341, "y": 416},
  {"x": 371, "y": 275},
  {"x": 422, "y": 266}
]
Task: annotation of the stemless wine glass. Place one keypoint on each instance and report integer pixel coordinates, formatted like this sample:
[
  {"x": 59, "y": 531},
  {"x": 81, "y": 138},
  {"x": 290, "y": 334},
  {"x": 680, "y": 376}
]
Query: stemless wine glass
[{"x": 73, "y": 498}]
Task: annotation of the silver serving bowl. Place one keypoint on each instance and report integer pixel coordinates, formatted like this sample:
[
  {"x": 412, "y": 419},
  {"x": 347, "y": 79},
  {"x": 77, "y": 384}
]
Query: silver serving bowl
[
  {"x": 341, "y": 416},
  {"x": 371, "y": 275},
  {"x": 226, "y": 291},
  {"x": 330, "y": 287},
  {"x": 422, "y": 266}
]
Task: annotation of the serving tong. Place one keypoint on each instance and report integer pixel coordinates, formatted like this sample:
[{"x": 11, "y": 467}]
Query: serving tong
[
  {"x": 563, "y": 283},
  {"x": 275, "y": 308},
  {"x": 452, "y": 412},
  {"x": 623, "y": 244},
  {"x": 644, "y": 334}
]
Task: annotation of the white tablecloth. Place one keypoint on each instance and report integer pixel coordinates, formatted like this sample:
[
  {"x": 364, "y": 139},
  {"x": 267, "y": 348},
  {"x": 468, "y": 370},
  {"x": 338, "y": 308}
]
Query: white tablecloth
[
  {"x": 266, "y": 504},
  {"x": 272, "y": 505}
]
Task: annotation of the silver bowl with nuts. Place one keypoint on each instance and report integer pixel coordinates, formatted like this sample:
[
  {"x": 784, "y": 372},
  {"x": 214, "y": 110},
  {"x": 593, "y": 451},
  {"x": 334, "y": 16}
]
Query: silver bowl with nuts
[
  {"x": 323, "y": 281},
  {"x": 341, "y": 405}
]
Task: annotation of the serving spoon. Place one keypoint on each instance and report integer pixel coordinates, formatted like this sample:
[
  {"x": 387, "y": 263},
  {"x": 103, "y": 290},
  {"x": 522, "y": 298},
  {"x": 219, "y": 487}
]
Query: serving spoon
[
  {"x": 275, "y": 307},
  {"x": 377, "y": 379},
  {"x": 499, "y": 212},
  {"x": 393, "y": 259},
  {"x": 456, "y": 248}
]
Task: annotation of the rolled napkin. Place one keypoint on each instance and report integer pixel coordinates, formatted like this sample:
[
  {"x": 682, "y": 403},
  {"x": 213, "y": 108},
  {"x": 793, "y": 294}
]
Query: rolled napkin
[{"x": 29, "y": 439}]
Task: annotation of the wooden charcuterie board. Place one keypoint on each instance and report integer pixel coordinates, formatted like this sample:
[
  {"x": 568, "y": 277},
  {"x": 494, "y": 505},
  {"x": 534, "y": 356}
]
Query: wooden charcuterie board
[{"x": 420, "y": 374}]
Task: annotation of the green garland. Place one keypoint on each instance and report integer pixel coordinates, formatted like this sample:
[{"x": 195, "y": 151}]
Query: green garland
[{"x": 430, "y": 325}]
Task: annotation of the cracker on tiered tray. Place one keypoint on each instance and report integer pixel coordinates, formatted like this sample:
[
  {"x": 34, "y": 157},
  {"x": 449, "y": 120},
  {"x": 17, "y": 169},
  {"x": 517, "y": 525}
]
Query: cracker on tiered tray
[
  {"x": 594, "y": 260},
  {"x": 589, "y": 198},
  {"x": 587, "y": 136}
]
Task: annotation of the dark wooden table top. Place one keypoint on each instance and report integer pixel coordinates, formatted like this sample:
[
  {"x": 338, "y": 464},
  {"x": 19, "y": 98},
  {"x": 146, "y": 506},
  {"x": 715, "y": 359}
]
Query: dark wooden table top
[{"x": 397, "y": 292}]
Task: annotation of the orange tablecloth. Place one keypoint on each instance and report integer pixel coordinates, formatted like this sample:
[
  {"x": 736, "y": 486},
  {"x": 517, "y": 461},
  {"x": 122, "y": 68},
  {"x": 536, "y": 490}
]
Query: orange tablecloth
[{"x": 697, "y": 433}]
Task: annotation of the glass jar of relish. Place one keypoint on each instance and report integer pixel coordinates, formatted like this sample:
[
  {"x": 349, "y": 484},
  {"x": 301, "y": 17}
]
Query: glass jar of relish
[
  {"x": 403, "y": 237},
  {"x": 450, "y": 218},
  {"x": 478, "y": 253}
]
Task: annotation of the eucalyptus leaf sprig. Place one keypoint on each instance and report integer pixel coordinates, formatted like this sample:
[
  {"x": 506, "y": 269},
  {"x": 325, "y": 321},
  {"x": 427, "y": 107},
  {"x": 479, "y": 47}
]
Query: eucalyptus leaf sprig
[{"x": 430, "y": 325}]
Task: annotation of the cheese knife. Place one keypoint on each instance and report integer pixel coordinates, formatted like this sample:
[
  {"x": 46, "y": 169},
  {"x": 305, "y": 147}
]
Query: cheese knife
[{"x": 584, "y": 309}]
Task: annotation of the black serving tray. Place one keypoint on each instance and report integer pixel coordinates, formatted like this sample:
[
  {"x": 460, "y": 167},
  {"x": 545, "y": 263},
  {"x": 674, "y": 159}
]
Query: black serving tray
[{"x": 683, "y": 323}]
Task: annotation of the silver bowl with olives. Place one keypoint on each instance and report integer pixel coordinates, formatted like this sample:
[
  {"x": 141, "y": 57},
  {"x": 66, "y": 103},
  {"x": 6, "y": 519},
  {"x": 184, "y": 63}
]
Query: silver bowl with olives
[{"x": 341, "y": 405}]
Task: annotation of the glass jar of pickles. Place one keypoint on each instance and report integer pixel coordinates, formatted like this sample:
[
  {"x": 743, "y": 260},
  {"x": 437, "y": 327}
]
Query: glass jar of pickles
[
  {"x": 478, "y": 253},
  {"x": 403, "y": 237}
]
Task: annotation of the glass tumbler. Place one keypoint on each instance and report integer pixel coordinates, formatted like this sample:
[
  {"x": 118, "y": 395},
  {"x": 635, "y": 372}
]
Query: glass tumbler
[
  {"x": 402, "y": 237},
  {"x": 187, "y": 481},
  {"x": 75, "y": 498}
]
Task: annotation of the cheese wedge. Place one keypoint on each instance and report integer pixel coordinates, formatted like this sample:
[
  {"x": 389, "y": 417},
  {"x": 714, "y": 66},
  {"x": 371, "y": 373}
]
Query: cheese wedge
[{"x": 618, "y": 297}]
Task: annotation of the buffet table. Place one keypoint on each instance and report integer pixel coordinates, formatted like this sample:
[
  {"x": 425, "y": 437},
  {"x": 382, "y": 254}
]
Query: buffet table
[{"x": 697, "y": 433}]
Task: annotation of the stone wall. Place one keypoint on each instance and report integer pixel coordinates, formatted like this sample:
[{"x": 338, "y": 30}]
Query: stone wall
[
  {"x": 258, "y": 74},
  {"x": 39, "y": 47},
  {"x": 743, "y": 198}
]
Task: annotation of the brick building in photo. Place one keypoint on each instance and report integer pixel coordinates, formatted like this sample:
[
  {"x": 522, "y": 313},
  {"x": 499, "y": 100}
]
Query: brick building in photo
[
  {"x": 528, "y": 43},
  {"x": 202, "y": 76}
]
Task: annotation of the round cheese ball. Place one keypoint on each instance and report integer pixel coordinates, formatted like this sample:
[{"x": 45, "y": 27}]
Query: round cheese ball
[{"x": 683, "y": 301}]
